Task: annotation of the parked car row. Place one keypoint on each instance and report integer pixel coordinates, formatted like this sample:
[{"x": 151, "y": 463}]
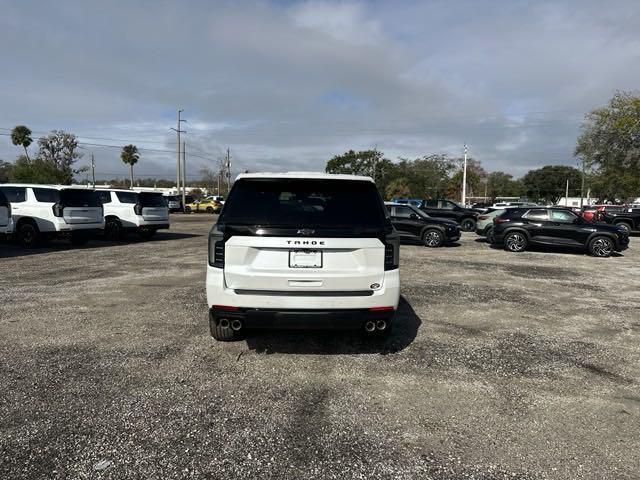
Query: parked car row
[{"x": 36, "y": 213}]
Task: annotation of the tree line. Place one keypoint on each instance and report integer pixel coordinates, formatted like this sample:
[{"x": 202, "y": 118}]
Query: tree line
[{"x": 55, "y": 159}]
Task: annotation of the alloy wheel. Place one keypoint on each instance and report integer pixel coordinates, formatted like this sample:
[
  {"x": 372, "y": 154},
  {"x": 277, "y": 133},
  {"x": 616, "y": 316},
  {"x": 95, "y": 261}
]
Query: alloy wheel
[
  {"x": 516, "y": 242},
  {"x": 602, "y": 247},
  {"x": 432, "y": 239}
]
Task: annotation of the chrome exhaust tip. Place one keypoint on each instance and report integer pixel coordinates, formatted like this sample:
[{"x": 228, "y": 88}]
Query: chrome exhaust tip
[
  {"x": 370, "y": 326},
  {"x": 381, "y": 324},
  {"x": 236, "y": 325},
  {"x": 224, "y": 323}
]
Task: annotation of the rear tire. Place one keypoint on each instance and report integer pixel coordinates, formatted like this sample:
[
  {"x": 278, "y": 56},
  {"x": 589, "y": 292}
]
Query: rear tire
[
  {"x": 625, "y": 225},
  {"x": 113, "y": 229},
  {"x": 187, "y": 209},
  {"x": 432, "y": 238},
  {"x": 210, "y": 210},
  {"x": 223, "y": 334},
  {"x": 468, "y": 225},
  {"x": 28, "y": 235},
  {"x": 490, "y": 236},
  {"x": 515, "y": 242},
  {"x": 601, "y": 246}
]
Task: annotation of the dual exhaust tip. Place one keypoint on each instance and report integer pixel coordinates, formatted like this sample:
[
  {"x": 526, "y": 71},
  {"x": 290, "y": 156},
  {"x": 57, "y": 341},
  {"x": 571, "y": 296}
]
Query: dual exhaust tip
[
  {"x": 370, "y": 326},
  {"x": 233, "y": 324}
]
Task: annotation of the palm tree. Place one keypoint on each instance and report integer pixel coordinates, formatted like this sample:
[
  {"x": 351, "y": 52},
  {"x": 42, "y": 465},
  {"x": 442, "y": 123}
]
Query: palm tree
[
  {"x": 130, "y": 156},
  {"x": 21, "y": 135}
]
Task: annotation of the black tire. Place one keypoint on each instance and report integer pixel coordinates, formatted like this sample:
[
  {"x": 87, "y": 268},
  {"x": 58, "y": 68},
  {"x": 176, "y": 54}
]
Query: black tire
[
  {"x": 432, "y": 238},
  {"x": 624, "y": 225},
  {"x": 210, "y": 210},
  {"x": 489, "y": 236},
  {"x": 28, "y": 235},
  {"x": 113, "y": 229},
  {"x": 147, "y": 233},
  {"x": 601, "y": 246},
  {"x": 79, "y": 239},
  {"x": 223, "y": 334},
  {"x": 187, "y": 209},
  {"x": 515, "y": 242},
  {"x": 467, "y": 224}
]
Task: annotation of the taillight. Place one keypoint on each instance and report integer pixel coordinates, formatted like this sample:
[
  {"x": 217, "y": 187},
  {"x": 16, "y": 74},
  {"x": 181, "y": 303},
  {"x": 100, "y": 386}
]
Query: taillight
[
  {"x": 58, "y": 210},
  {"x": 216, "y": 248},
  {"x": 500, "y": 220},
  {"x": 391, "y": 251},
  {"x": 137, "y": 209}
]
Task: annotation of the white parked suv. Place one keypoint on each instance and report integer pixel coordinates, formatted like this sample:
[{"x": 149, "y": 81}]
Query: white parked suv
[
  {"x": 127, "y": 211},
  {"x": 302, "y": 249},
  {"x": 41, "y": 212},
  {"x": 6, "y": 223}
]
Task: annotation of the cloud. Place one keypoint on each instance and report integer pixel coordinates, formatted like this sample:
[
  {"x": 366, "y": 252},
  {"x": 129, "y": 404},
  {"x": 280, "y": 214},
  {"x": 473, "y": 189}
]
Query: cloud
[{"x": 288, "y": 85}]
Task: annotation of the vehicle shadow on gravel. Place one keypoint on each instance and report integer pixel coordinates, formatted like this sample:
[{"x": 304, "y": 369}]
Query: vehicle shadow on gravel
[
  {"x": 9, "y": 249},
  {"x": 405, "y": 330}
]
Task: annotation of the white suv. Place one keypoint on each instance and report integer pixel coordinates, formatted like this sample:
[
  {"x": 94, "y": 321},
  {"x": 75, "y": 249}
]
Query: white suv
[
  {"x": 41, "y": 212},
  {"x": 302, "y": 249},
  {"x": 127, "y": 211},
  {"x": 6, "y": 223}
]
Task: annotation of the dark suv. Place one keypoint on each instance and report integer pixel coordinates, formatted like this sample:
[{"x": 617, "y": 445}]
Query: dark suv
[
  {"x": 448, "y": 209},
  {"x": 411, "y": 223},
  {"x": 518, "y": 228}
]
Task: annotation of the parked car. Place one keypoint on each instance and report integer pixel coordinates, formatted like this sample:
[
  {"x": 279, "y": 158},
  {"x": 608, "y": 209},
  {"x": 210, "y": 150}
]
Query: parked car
[
  {"x": 625, "y": 218},
  {"x": 416, "y": 202},
  {"x": 413, "y": 224},
  {"x": 217, "y": 198},
  {"x": 302, "y": 249},
  {"x": 42, "y": 212},
  {"x": 484, "y": 224},
  {"x": 174, "y": 203},
  {"x": 449, "y": 209},
  {"x": 480, "y": 207},
  {"x": 517, "y": 228},
  {"x": 205, "y": 205},
  {"x": 6, "y": 223},
  {"x": 594, "y": 213},
  {"x": 127, "y": 211}
]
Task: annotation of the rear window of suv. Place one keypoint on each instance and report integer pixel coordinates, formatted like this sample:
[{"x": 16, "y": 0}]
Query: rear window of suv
[
  {"x": 152, "y": 200},
  {"x": 79, "y": 198},
  {"x": 127, "y": 197},
  {"x": 304, "y": 203}
]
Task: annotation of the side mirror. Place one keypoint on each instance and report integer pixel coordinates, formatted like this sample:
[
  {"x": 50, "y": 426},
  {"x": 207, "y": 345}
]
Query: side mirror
[{"x": 414, "y": 216}]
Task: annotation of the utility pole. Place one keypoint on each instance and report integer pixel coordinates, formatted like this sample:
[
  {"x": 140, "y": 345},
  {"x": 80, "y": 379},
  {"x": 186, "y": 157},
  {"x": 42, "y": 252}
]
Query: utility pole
[
  {"x": 566, "y": 195},
  {"x": 93, "y": 170},
  {"x": 464, "y": 178},
  {"x": 178, "y": 132},
  {"x": 184, "y": 172},
  {"x": 582, "y": 186},
  {"x": 228, "y": 171}
]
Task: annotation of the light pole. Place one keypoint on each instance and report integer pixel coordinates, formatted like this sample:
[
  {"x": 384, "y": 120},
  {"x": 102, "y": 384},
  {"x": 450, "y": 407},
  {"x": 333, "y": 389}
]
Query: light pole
[{"x": 464, "y": 178}]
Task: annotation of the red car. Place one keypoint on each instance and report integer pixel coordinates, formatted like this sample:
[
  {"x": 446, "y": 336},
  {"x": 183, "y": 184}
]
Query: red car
[{"x": 593, "y": 213}]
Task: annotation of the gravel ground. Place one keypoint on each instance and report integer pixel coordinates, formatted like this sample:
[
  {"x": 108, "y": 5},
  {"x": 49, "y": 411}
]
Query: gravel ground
[{"x": 502, "y": 365}]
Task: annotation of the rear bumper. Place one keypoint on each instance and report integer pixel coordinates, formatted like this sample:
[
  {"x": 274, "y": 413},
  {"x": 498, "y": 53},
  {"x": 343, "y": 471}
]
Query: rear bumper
[
  {"x": 328, "y": 319},
  {"x": 388, "y": 295},
  {"x": 88, "y": 228}
]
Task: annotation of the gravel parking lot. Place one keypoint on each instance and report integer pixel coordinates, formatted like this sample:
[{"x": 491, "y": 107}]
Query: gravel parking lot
[{"x": 501, "y": 366}]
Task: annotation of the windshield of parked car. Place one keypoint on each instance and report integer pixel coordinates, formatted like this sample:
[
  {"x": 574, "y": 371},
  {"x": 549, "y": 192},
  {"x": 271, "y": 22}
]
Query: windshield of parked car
[{"x": 303, "y": 202}]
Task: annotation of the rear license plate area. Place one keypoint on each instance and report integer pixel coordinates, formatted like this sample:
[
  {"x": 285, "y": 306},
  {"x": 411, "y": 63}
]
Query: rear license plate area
[{"x": 305, "y": 258}]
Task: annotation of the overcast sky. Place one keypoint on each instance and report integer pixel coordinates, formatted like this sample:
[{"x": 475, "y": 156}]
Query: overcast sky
[{"x": 287, "y": 85}]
